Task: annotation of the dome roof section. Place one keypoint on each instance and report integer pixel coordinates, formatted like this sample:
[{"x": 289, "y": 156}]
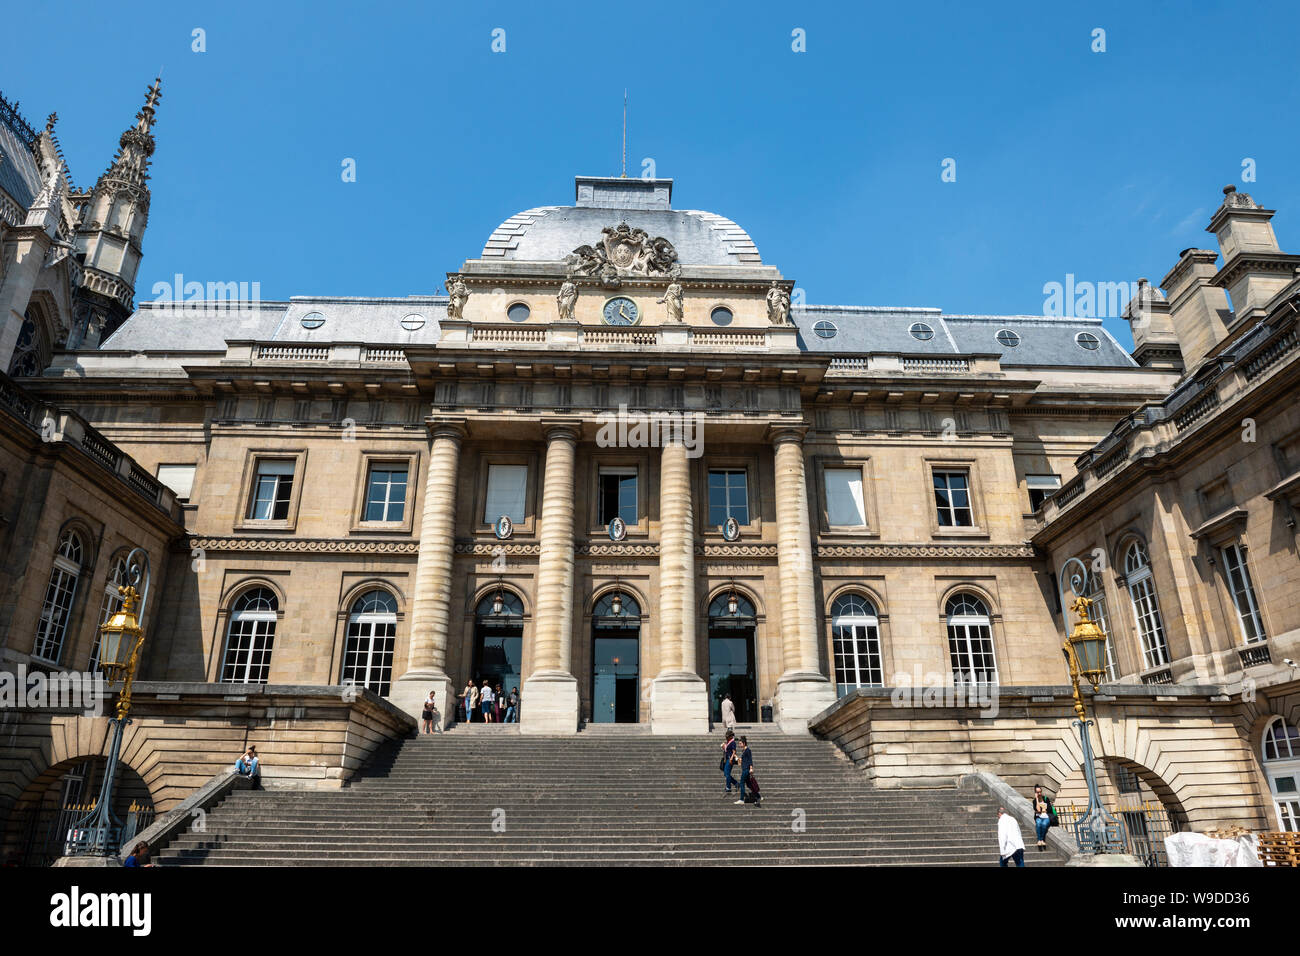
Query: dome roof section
[{"x": 550, "y": 233}]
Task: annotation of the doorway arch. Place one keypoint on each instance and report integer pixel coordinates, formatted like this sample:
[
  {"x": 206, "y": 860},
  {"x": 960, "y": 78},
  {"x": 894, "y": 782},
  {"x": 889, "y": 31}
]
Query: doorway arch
[
  {"x": 733, "y": 621},
  {"x": 498, "y": 643},
  {"x": 616, "y": 659}
]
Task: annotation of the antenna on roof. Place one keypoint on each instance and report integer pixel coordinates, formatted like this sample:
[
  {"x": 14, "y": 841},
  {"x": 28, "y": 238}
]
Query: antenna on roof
[{"x": 624, "y": 133}]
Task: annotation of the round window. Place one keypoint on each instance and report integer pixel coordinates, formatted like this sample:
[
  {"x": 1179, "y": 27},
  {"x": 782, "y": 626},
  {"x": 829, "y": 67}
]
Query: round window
[
  {"x": 518, "y": 312},
  {"x": 1087, "y": 340},
  {"x": 921, "y": 331},
  {"x": 1008, "y": 339},
  {"x": 721, "y": 315},
  {"x": 413, "y": 321},
  {"x": 313, "y": 320},
  {"x": 825, "y": 329}
]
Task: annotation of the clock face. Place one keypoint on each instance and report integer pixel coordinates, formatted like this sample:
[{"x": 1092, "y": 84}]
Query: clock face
[{"x": 620, "y": 310}]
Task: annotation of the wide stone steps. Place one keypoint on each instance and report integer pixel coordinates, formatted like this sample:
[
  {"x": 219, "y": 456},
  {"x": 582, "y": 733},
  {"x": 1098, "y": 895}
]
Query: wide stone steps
[{"x": 489, "y": 797}]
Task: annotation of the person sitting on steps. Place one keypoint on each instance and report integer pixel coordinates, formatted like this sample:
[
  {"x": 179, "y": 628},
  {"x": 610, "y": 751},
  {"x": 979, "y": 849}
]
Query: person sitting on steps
[{"x": 247, "y": 766}]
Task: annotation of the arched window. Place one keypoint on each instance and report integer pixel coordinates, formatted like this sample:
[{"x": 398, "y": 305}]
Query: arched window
[
  {"x": 110, "y": 604},
  {"x": 32, "y": 351},
  {"x": 970, "y": 640},
  {"x": 1282, "y": 767},
  {"x": 611, "y": 612},
  {"x": 1094, "y": 589},
  {"x": 372, "y": 631},
  {"x": 855, "y": 636},
  {"x": 250, "y": 637},
  {"x": 52, "y": 627},
  {"x": 731, "y": 608},
  {"x": 500, "y": 603},
  {"x": 1146, "y": 606}
]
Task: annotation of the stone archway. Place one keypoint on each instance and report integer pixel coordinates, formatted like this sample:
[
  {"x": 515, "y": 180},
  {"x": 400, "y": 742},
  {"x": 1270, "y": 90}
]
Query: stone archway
[{"x": 56, "y": 798}]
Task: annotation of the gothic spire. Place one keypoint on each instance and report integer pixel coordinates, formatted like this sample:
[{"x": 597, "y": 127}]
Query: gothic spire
[{"x": 131, "y": 164}]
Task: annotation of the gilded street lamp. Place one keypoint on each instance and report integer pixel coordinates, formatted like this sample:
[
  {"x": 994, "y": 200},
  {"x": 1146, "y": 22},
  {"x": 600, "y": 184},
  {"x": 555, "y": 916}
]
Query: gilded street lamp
[
  {"x": 1085, "y": 653},
  {"x": 120, "y": 639}
]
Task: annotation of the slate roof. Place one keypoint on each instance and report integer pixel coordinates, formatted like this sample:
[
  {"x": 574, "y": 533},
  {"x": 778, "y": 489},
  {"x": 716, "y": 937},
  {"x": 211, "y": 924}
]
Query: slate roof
[
  {"x": 549, "y": 233},
  {"x": 205, "y": 327},
  {"x": 1043, "y": 341},
  {"x": 20, "y": 176}
]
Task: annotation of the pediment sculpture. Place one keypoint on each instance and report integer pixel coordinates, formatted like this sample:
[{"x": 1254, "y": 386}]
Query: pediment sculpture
[{"x": 623, "y": 249}]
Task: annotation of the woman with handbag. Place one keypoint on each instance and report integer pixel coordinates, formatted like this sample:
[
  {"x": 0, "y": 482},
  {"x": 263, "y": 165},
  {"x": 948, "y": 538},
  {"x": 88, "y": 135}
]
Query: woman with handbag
[
  {"x": 728, "y": 759},
  {"x": 1044, "y": 816}
]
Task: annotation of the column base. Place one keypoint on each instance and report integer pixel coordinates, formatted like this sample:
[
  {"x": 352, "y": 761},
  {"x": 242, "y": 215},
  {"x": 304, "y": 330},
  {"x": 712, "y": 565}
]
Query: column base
[
  {"x": 679, "y": 704},
  {"x": 549, "y": 704},
  {"x": 800, "y": 697},
  {"x": 411, "y": 689}
]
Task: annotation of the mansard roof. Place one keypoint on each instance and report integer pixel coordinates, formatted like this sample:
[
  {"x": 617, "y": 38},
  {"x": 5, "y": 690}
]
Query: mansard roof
[
  {"x": 549, "y": 233},
  {"x": 1041, "y": 340}
]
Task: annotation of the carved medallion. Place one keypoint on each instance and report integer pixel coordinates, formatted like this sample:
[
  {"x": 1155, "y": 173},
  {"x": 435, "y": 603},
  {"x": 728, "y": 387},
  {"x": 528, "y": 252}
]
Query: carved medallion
[
  {"x": 617, "y": 529},
  {"x": 504, "y": 527}
]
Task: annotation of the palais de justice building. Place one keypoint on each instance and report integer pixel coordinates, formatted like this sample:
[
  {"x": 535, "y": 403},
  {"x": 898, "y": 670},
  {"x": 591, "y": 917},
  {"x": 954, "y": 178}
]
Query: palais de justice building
[{"x": 624, "y": 466}]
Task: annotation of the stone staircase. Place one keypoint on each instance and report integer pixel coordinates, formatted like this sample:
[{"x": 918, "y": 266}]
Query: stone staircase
[{"x": 485, "y": 795}]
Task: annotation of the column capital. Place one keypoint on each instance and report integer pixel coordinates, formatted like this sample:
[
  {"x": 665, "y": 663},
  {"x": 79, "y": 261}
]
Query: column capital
[
  {"x": 778, "y": 432},
  {"x": 446, "y": 426},
  {"x": 554, "y": 428}
]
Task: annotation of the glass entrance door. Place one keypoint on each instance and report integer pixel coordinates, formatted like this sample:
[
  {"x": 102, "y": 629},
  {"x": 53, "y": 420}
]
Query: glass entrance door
[
  {"x": 731, "y": 657},
  {"x": 498, "y": 644},
  {"x": 615, "y": 660}
]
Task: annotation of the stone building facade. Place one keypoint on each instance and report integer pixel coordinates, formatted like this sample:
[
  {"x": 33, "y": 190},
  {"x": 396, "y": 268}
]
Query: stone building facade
[{"x": 623, "y": 465}]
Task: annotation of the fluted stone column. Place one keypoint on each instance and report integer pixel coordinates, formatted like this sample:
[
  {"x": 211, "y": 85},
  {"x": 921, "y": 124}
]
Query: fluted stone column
[
  {"x": 550, "y": 694},
  {"x": 426, "y": 666},
  {"x": 679, "y": 697},
  {"x": 802, "y": 690}
]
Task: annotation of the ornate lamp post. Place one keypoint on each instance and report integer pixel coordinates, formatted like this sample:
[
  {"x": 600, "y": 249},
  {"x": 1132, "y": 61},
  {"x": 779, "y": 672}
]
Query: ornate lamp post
[
  {"x": 1085, "y": 654},
  {"x": 121, "y": 637}
]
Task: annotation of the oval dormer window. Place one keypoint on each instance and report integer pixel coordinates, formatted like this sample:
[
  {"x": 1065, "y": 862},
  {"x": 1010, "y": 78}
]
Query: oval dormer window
[
  {"x": 313, "y": 320},
  {"x": 921, "y": 331},
  {"x": 1008, "y": 339},
  {"x": 825, "y": 329},
  {"x": 413, "y": 321},
  {"x": 1087, "y": 341}
]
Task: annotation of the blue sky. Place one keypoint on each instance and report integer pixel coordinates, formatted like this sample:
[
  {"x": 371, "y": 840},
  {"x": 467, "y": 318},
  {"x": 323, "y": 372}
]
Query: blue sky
[{"x": 1103, "y": 165}]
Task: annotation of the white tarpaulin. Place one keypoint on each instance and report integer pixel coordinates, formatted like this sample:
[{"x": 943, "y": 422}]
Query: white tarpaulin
[{"x": 1197, "y": 849}]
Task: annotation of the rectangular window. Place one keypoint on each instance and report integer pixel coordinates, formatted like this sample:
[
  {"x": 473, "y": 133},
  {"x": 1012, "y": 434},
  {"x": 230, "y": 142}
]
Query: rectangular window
[
  {"x": 1243, "y": 594},
  {"x": 505, "y": 492},
  {"x": 179, "y": 478},
  {"x": 618, "y": 495},
  {"x": 1041, "y": 488},
  {"x": 386, "y": 493},
  {"x": 844, "y": 498},
  {"x": 272, "y": 490},
  {"x": 1150, "y": 622},
  {"x": 728, "y": 497},
  {"x": 952, "y": 498}
]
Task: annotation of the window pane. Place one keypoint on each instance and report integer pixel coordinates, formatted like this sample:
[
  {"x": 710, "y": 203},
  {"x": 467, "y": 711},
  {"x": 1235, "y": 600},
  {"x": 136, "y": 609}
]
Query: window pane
[
  {"x": 505, "y": 495},
  {"x": 386, "y": 495},
  {"x": 844, "y": 497}
]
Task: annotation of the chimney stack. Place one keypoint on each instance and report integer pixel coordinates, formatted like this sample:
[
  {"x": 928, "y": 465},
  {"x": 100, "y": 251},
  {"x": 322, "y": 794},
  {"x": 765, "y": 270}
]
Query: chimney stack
[
  {"x": 1154, "y": 343},
  {"x": 1198, "y": 309},
  {"x": 1254, "y": 268}
]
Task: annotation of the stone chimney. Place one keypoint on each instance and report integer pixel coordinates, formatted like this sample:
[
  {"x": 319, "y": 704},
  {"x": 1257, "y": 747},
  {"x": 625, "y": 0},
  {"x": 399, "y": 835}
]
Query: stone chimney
[
  {"x": 1154, "y": 343},
  {"x": 1254, "y": 268},
  {"x": 1199, "y": 314}
]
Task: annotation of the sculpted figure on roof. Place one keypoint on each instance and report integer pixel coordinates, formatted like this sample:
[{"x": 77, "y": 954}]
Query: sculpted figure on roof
[
  {"x": 566, "y": 300},
  {"x": 674, "y": 297},
  {"x": 458, "y": 294},
  {"x": 778, "y": 305}
]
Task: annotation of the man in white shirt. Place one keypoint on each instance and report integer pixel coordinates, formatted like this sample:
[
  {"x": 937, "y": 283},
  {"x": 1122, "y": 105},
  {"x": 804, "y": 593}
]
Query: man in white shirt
[
  {"x": 486, "y": 697},
  {"x": 1010, "y": 845}
]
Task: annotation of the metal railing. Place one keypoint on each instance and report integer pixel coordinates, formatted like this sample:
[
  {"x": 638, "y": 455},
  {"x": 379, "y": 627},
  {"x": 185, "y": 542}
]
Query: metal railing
[{"x": 1146, "y": 824}]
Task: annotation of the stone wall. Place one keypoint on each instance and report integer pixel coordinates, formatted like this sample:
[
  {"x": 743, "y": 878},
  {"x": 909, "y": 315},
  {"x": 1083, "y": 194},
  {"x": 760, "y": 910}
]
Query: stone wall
[
  {"x": 1195, "y": 748},
  {"x": 181, "y": 734}
]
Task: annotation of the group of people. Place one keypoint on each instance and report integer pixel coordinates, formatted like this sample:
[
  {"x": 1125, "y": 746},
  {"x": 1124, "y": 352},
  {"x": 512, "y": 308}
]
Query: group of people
[
  {"x": 736, "y": 752},
  {"x": 491, "y": 704},
  {"x": 1011, "y": 847}
]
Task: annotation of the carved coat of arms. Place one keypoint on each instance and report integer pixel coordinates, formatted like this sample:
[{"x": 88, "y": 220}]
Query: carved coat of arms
[{"x": 627, "y": 249}]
